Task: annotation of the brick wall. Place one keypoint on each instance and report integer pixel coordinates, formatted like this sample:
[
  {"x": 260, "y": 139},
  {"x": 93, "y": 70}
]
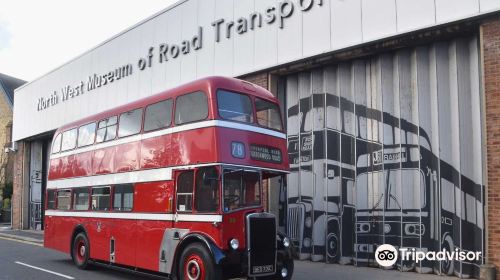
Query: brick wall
[
  {"x": 261, "y": 79},
  {"x": 490, "y": 35},
  {"x": 17, "y": 200}
]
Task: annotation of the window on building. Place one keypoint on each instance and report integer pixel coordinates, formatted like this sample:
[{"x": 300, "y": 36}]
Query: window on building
[
  {"x": 106, "y": 130},
  {"x": 207, "y": 190},
  {"x": 123, "y": 198},
  {"x": 64, "y": 200},
  {"x": 86, "y": 135},
  {"x": 56, "y": 146},
  {"x": 68, "y": 140},
  {"x": 191, "y": 107},
  {"x": 158, "y": 115},
  {"x": 51, "y": 199},
  {"x": 81, "y": 199},
  {"x": 185, "y": 191},
  {"x": 234, "y": 106},
  {"x": 268, "y": 114},
  {"x": 130, "y": 123},
  {"x": 101, "y": 198}
]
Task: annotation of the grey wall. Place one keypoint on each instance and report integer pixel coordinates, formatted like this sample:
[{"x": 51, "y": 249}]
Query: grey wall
[{"x": 388, "y": 150}]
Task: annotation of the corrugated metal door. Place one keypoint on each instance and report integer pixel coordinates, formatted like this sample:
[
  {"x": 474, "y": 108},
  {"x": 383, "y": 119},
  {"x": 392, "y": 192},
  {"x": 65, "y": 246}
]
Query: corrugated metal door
[{"x": 388, "y": 150}]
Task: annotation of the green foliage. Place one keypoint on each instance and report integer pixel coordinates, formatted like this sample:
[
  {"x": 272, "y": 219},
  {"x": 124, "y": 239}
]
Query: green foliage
[
  {"x": 6, "y": 203},
  {"x": 7, "y": 190}
]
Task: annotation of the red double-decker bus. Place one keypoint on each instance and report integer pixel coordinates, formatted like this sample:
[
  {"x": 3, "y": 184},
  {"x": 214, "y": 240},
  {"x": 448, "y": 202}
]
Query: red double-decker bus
[{"x": 173, "y": 184}]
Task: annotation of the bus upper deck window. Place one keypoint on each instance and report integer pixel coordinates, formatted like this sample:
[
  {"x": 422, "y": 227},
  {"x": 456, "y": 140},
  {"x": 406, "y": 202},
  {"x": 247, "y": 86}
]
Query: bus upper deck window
[
  {"x": 69, "y": 140},
  {"x": 234, "y": 106},
  {"x": 158, "y": 115},
  {"x": 56, "y": 146},
  {"x": 191, "y": 107},
  {"x": 130, "y": 123},
  {"x": 268, "y": 114},
  {"x": 106, "y": 129}
]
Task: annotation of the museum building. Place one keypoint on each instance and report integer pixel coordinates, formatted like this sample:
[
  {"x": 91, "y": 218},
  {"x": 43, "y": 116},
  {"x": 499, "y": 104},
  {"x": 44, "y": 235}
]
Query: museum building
[{"x": 392, "y": 111}]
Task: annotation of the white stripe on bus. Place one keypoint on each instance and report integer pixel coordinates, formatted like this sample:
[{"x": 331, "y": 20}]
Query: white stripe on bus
[
  {"x": 140, "y": 176},
  {"x": 186, "y": 127},
  {"x": 136, "y": 216}
]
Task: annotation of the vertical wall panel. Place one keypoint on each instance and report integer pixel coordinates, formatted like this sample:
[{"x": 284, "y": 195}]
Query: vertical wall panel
[
  {"x": 414, "y": 14},
  {"x": 379, "y": 18},
  {"x": 244, "y": 44},
  {"x": 461, "y": 8},
  {"x": 317, "y": 24},
  {"x": 400, "y": 162},
  {"x": 346, "y": 13}
]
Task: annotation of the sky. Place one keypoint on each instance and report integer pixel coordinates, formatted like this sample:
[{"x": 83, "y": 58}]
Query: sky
[{"x": 38, "y": 36}]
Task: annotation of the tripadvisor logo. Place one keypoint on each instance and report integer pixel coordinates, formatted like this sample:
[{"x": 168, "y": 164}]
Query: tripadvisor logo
[{"x": 387, "y": 255}]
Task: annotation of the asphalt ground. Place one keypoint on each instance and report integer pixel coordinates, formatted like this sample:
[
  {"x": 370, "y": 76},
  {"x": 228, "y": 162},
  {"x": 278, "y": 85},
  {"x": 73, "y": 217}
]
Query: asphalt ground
[{"x": 23, "y": 257}]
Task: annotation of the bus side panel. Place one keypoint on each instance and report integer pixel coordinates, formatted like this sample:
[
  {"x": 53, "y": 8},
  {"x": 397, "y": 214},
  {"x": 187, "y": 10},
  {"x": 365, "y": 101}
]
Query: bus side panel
[
  {"x": 127, "y": 157},
  {"x": 154, "y": 197},
  {"x": 124, "y": 233},
  {"x": 103, "y": 160},
  {"x": 193, "y": 146},
  {"x": 149, "y": 236},
  {"x": 98, "y": 231},
  {"x": 58, "y": 231},
  {"x": 55, "y": 169},
  {"x": 155, "y": 152},
  {"x": 82, "y": 165}
]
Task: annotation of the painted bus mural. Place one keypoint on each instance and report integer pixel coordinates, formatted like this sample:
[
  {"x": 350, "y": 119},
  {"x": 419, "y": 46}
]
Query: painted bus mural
[{"x": 387, "y": 150}]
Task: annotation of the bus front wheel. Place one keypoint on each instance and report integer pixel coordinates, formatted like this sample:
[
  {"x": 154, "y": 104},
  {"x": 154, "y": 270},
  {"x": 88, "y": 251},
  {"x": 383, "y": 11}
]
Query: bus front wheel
[
  {"x": 81, "y": 251},
  {"x": 196, "y": 263}
]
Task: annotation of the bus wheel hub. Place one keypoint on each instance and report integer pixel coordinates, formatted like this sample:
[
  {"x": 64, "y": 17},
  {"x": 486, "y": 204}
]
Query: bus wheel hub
[{"x": 194, "y": 268}]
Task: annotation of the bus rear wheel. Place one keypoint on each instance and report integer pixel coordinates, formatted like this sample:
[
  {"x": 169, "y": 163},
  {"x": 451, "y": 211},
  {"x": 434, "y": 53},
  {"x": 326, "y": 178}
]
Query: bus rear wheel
[
  {"x": 80, "y": 252},
  {"x": 196, "y": 263}
]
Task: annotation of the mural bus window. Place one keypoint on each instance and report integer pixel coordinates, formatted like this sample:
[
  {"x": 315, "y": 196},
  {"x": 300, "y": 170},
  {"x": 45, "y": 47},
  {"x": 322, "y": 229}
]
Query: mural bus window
[
  {"x": 68, "y": 140},
  {"x": 158, "y": 115},
  {"x": 101, "y": 198},
  {"x": 130, "y": 123},
  {"x": 106, "y": 129},
  {"x": 207, "y": 190},
  {"x": 241, "y": 189},
  {"x": 64, "y": 200},
  {"x": 191, "y": 107},
  {"x": 86, "y": 135},
  {"x": 234, "y": 106},
  {"x": 56, "y": 146},
  {"x": 81, "y": 199},
  {"x": 268, "y": 114},
  {"x": 185, "y": 191},
  {"x": 123, "y": 198}
]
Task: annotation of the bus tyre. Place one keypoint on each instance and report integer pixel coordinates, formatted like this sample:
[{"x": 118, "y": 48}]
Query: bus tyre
[
  {"x": 196, "y": 263},
  {"x": 447, "y": 266},
  {"x": 81, "y": 251}
]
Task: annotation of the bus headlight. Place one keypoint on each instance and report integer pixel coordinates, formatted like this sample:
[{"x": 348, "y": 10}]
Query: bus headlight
[
  {"x": 234, "y": 243},
  {"x": 286, "y": 242}
]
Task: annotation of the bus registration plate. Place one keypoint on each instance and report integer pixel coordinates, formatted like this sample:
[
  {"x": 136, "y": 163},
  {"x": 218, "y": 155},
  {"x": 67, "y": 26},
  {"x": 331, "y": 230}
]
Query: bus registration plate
[{"x": 258, "y": 269}]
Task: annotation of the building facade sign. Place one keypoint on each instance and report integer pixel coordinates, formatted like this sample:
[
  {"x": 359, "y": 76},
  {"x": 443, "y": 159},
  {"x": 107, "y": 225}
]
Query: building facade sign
[{"x": 223, "y": 29}]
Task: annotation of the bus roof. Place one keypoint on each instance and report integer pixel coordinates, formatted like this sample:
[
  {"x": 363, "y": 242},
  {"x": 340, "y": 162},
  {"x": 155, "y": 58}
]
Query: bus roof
[{"x": 207, "y": 84}]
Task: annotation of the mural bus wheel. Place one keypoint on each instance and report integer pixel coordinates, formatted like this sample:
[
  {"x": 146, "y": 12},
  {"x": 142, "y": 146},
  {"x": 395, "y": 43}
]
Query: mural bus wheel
[
  {"x": 447, "y": 266},
  {"x": 332, "y": 249},
  {"x": 196, "y": 263},
  {"x": 81, "y": 251}
]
